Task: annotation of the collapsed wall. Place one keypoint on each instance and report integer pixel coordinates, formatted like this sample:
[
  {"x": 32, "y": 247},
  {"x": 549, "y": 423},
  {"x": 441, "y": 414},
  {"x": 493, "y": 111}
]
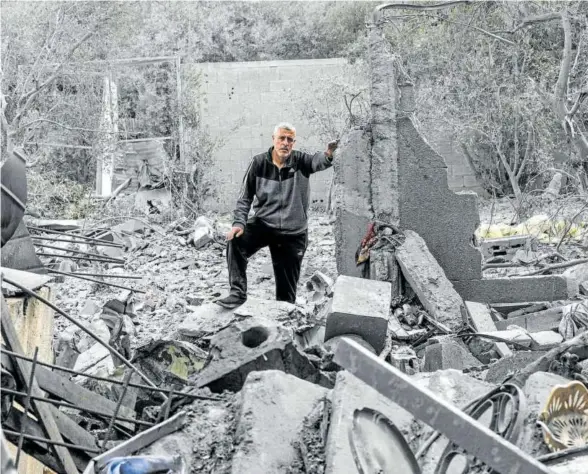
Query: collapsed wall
[{"x": 388, "y": 172}]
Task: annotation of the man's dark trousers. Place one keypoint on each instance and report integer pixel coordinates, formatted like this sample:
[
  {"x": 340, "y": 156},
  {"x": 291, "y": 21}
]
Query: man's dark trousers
[{"x": 287, "y": 251}]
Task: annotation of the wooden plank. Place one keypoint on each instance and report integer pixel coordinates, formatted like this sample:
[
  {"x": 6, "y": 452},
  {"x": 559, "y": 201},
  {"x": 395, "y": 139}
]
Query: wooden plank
[
  {"x": 82, "y": 397},
  {"x": 482, "y": 321},
  {"x": 141, "y": 440},
  {"x": 535, "y": 322},
  {"x": 33, "y": 322},
  {"x": 68, "y": 428},
  {"x": 38, "y": 450},
  {"x": 24, "y": 371}
]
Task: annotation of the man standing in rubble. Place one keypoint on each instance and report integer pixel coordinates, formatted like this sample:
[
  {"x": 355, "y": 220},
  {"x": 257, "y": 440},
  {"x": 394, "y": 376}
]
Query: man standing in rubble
[{"x": 279, "y": 179}]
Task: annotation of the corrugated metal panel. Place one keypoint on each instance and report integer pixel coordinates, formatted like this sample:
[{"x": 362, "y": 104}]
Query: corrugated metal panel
[{"x": 134, "y": 155}]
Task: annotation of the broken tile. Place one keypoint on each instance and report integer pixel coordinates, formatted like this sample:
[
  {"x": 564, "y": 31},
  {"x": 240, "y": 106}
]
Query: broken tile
[{"x": 273, "y": 408}]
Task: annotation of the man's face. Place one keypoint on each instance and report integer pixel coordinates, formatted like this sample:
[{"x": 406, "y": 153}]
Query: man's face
[{"x": 284, "y": 142}]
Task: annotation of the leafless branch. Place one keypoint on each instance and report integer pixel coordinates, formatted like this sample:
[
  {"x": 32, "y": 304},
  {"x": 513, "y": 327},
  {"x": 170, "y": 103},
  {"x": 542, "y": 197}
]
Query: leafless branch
[
  {"x": 28, "y": 98},
  {"x": 531, "y": 20},
  {"x": 67, "y": 127},
  {"x": 527, "y": 151},
  {"x": 467, "y": 25},
  {"x": 581, "y": 97}
]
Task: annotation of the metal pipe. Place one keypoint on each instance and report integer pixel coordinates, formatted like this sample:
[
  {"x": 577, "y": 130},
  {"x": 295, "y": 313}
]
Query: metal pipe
[
  {"x": 83, "y": 328},
  {"x": 61, "y": 403},
  {"x": 74, "y": 257},
  {"x": 105, "y": 379},
  {"x": 57, "y": 239},
  {"x": 131, "y": 277},
  {"x": 27, "y": 407},
  {"x": 77, "y": 236},
  {"x": 117, "y": 408},
  {"x": 50, "y": 441},
  {"x": 96, "y": 281},
  {"x": 89, "y": 254}
]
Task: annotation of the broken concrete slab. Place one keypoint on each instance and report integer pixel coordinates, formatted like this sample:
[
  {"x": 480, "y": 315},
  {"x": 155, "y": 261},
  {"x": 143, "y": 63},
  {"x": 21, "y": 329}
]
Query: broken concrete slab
[
  {"x": 273, "y": 408},
  {"x": 383, "y": 267},
  {"x": 205, "y": 320},
  {"x": 506, "y": 366},
  {"x": 545, "y": 340},
  {"x": 255, "y": 344},
  {"x": 270, "y": 309},
  {"x": 445, "y": 220},
  {"x": 448, "y": 354},
  {"x": 535, "y": 322},
  {"x": 428, "y": 280},
  {"x": 352, "y": 200},
  {"x": 360, "y": 307},
  {"x": 516, "y": 289},
  {"x": 350, "y": 394}
]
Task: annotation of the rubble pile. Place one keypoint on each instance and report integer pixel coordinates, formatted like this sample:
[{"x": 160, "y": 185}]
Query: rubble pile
[{"x": 266, "y": 387}]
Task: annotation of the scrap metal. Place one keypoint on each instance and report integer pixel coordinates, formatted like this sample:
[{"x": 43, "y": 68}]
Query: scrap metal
[
  {"x": 478, "y": 440},
  {"x": 91, "y": 333},
  {"x": 114, "y": 285}
]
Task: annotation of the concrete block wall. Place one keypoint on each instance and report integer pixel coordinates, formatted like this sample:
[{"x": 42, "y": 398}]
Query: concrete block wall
[
  {"x": 242, "y": 103},
  {"x": 460, "y": 175}
]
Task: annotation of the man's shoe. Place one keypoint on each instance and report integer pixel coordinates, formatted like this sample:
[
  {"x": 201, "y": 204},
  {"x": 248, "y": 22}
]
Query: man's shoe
[{"x": 231, "y": 301}]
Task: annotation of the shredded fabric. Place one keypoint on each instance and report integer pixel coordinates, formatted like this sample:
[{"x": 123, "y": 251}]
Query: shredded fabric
[{"x": 574, "y": 320}]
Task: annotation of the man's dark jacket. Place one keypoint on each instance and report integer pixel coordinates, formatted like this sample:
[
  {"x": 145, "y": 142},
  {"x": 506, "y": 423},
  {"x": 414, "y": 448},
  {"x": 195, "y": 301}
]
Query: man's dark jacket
[{"x": 282, "y": 194}]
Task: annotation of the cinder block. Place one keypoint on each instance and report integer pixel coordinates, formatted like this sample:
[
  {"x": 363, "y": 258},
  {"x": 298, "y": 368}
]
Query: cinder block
[
  {"x": 360, "y": 307},
  {"x": 272, "y": 412}
]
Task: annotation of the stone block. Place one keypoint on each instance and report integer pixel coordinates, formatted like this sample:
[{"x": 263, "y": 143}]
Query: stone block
[
  {"x": 360, "y": 307},
  {"x": 427, "y": 279},
  {"x": 205, "y": 320},
  {"x": 545, "y": 340},
  {"x": 254, "y": 344},
  {"x": 448, "y": 355},
  {"x": 514, "y": 290},
  {"x": 273, "y": 408},
  {"x": 506, "y": 366}
]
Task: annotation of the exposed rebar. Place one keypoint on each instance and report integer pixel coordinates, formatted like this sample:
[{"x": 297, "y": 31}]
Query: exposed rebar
[
  {"x": 83, "y": 328},
  {"x": 27, "y": 407},
  {"x": 73, "y": 275}
]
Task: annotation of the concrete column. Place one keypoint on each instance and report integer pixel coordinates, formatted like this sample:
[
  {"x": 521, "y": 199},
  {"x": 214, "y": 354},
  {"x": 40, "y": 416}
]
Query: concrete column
[{"x": 384, "y": 156}]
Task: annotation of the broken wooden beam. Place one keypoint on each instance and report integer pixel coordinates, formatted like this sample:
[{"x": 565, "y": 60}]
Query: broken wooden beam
[
  {"x": 23, "y": 370},
  {"x": 428, "y": 280}
]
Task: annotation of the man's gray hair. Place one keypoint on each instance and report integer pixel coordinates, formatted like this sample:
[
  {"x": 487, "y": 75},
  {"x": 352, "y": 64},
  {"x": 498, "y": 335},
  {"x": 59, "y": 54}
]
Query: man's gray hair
[{"x": 284, "y": 126}]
